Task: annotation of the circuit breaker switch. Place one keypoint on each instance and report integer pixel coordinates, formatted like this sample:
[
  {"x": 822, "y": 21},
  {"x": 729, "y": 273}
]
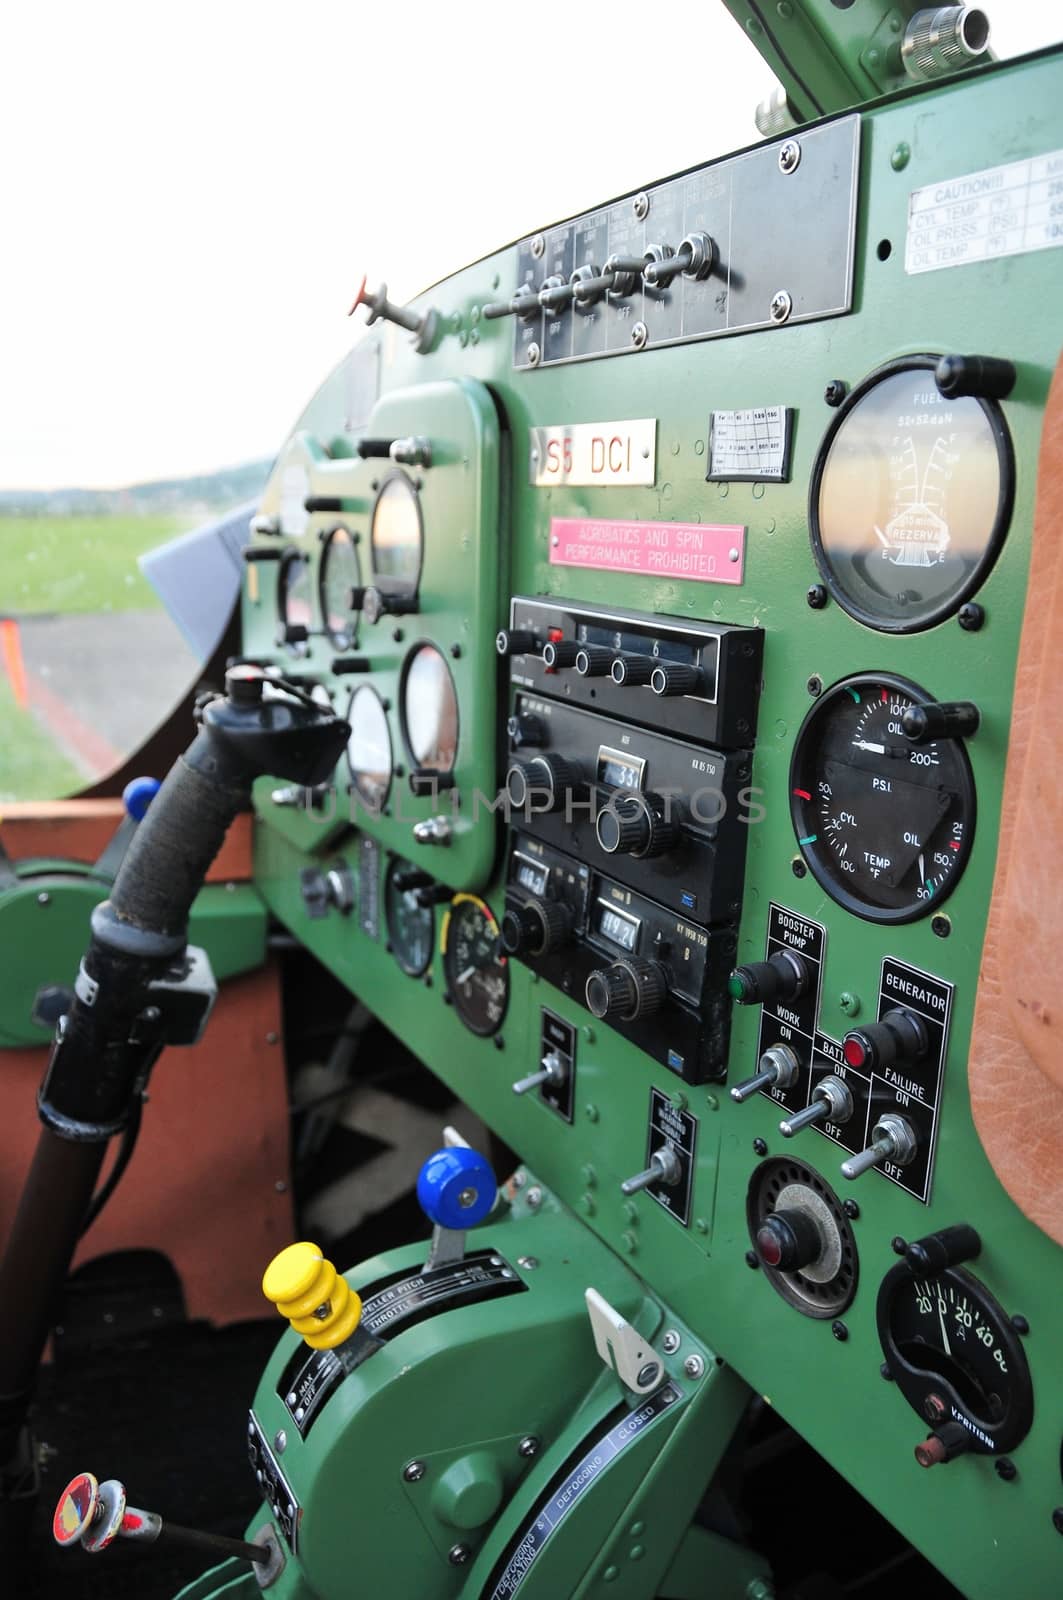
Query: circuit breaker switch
[
  {"x": 664, "y": 1167},
  {"x": 789, "y": 1240},
  {"x": 779, "y": 1067},
  {"x": 892, "y": 1139},
  {"x": 554, "y": 1072},
  {"x": 831, "y": 1102}
]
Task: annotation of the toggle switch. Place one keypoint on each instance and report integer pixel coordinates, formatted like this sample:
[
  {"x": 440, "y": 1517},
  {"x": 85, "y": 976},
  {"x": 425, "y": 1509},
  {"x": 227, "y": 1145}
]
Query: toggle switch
[
  {"x": 783, "y": 976},
  {"x": 587, "y": 287},
  {"x": 524, "y": 304},
  {"x": 831, "y": 1102},
  {"x": 626, "y": 274},
  {"x": 664, "y": 1168},
  {"x": 778, "y": 1069},
  {"x": 556, "y": 294},
  {"x": 554, "y": 1072},
  {"x": 627, "y": 989},
  {"x": 946, "y": 719},
  {"x": 900, "y": 1036},
  {"x": 892, "y": 1139},
  {"x": 694, "y": 259},
  {"x": 422, "y": 324},
  {"x": 456, "y": 1189}
]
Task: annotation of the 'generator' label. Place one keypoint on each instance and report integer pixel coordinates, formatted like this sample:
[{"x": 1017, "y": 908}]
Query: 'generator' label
[
  {"x": 584, "y": 453},
  {"x": 1001, "y": 211},
  {"x": 708, "y": 552}
]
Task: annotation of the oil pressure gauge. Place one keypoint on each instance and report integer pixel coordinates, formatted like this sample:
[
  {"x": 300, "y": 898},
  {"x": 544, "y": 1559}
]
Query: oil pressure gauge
[{"x": 884, "y": 823}]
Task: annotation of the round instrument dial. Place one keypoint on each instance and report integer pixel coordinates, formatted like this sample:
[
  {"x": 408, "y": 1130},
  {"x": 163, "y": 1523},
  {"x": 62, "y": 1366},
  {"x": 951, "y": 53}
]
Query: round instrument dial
[
  {"x": 396, "y": 533},
  {"x": 369, "y": 747},
  {"x": 411, "y": 926},
  {"x": 955, "y": 1355},
  {"x": 295, "y": 590},
  {"x": 884, "y": 824},
  {"x": 339, "y": 573},
  {"x": 477, "y": 973},
  {"x": 910, "y": 498},
  {"x": 430, "y": 710}
]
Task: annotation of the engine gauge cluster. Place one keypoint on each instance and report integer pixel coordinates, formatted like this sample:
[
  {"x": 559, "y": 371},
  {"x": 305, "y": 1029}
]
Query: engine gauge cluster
[
  {"x": 884, "y": 824},
  {"x": 910, "y": 498}
]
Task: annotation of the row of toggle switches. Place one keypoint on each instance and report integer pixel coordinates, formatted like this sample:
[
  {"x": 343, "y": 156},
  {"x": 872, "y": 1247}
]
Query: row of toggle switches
[
  {"x": 621, "y": 277},
  {"x": 899, "y": 1036}
]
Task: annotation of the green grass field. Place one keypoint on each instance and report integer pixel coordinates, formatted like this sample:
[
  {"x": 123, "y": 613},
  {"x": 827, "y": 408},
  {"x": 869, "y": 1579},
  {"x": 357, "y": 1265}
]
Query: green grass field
[
  {"x": 79, "y": 563},
  {"x": 31, "y": 768}
]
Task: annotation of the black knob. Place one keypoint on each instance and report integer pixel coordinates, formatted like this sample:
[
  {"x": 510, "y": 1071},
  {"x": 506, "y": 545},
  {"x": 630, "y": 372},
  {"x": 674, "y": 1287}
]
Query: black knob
[
  {"x": 535, "y": 928},
  {"x": 411, "y": 878},
  {"x": 526, "y": 731},
  {"x": 377, "y": 603},
  {"x": 323, "y": 502},
  {"x": 627, "y": 989},
  {"x": 346, "y": 666},
  {"x": 782, "y": 977},
  {"x": 517, "y": 642},
  {"x": 560, "y": 653},
  {"x": 254, "y": 553},
  {"x": 947, "y": 719},
  {"x": 636, "y": 825},
  {"x": 675, "y": 677},
  {"x": 945, "y": 1248},
  {"x": 900, "y": 1036},
  {"x": 293, "y": 633},
  {"x": 425, "y": 780},
  {"x": 433, "y": 894},
  {"x": 541, "y": 783},
  {"x": 789, "y": 1240},
  {"x": 628, "y": 670},
  {"x": 988, "y": 377},
  {"x": 371, "y": 449},
  {"x": 593, "y": 661}
]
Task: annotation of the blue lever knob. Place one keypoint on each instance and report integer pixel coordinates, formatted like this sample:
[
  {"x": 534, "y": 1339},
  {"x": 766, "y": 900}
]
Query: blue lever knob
[
  {"x": 138, "y": 795},
  {"x": 456, "y": 1188}
]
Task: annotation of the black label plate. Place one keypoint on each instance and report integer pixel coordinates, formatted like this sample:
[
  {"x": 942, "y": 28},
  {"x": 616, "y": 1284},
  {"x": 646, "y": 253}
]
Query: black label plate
[{"x": 679, "y": 1131}]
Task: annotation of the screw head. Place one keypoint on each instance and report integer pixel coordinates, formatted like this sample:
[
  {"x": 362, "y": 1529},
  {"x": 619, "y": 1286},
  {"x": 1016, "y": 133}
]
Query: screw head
[
  {"x": 639, "y": 335},
  {"x": 670, "y": 1342},
  {"x": 851, "y": 1209},
  {"x": 971, "y": 617},
  {"x": 529, "y": 1446},
  {"x": 1057, "y": 1519},
  {"x": 534, "y": 1197},
  {"x": 641, "y": 205},
  {"x": 816, "y": 596},
  {"x": 534, "y": 355},
  {"x": 529, "y": 1263},
  {"x": 840, "y": 1331},
  {"x": 934, "y": 1408},
  {"x": 1020, "y": 1324},
  {"x": 44, "y": 898},
  {"x": 760, "y": 1147},
  {"x": 885, "y": 1373},
  {"x": 752, "y": 1260},
  {"x": 835, "y": 392},
  {"x": 280, "y": 1441},
  {"x": 538, "y": 246},
  {"x": 694, "y": 1366},
  {"x": 413, "y": 1471},
  {"x": 942, "y": 926},
  {"x": 815, "y": 686},
  {"x": 781, "y": 307},
  {"x": 1006, "y": 1469},
  {"x": 789, "y": 157},
  {"x": 798, "y": 868},
  {"x": 458, "y": 1554},
  {"x": 648, "y": 1374}
]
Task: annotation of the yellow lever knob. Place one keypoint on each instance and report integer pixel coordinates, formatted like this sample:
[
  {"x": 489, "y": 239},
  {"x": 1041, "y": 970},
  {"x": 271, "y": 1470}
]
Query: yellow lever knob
[{"x": 317, "y": 1301}]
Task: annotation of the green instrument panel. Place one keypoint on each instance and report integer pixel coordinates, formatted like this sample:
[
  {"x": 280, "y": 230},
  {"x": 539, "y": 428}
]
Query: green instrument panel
[{"x": 801, "y": 552}]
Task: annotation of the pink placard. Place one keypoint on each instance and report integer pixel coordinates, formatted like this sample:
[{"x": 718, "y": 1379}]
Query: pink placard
[{"x": 708, "y": 552}]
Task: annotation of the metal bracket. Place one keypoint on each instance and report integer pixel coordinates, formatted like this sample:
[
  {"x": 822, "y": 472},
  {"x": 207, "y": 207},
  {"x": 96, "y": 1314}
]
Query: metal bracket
[{"x": 622, "y": 1348}]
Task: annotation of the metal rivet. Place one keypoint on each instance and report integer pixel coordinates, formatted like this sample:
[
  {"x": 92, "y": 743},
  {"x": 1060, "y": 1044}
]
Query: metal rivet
[
  {"x": 648, "y": 1374},
  {"x": 458, "y": 1554},
  {"x": 840, "y": 1331},
  {"x": 789, "y": 157},
  {"x": 1020, "y": 1324},
  {"x": 670, "y": 1343},
  {"x": 760, "y": 1147},
  {"x": 816, "y": 595},
  {"x": 781, "y": 306},
  {"x": 534, "y": 355},
  {"x": 641, "y": 205},
  {"x": 280, "y": 1441},
  {"x": 529, "y": 1263},
  {"x": 1006, "y": 1469},
  {"x": 850, "y": 1003},
  {"x": 538, "y": 246},
  {"x": 835, "y": 391},
  {"x": 815, "y": 686},
  {"x": 639, "y": 334},
  {"x": 851, "y": 1209},
  {"x": 940, "y": 925},
  {"x": 535, "y": 1197},
  {"x": 694, "y": 1366},
  {"x": 44, "y": 899},
  {"x": 414, "y": 1471},
  {"x": 529, "y": 1446},
  {"x": 733, "y": 554},
  {"x": 752, "y": 1260},
  {"x": 971, "y": 617}
]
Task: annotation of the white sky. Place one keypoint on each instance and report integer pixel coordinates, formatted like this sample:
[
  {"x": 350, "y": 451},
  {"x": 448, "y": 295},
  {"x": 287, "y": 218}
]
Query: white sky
[{"x": 192, "y": 191}]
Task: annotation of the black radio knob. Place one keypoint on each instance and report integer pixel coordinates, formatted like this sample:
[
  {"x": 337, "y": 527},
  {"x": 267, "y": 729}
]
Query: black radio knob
[
  {"x": 900, "y": 1036},
  {"x": 517, "y": 642},
  {"x": 636, "y": 825},
  {"x": 526, "y": 730},
  {"x": 789, "y": 1240},
  {"x": 541, "y": 783},
  {"x": 535, "y": 928},
  {"x": 782, "y": 977},
  {"x": 631, "y": 670},
  {"x": 560, "y": 653},
  {"x": 627, "y": 989},
  {"x": 593, "y": 661},
  {"x": 675, "y": 677}
]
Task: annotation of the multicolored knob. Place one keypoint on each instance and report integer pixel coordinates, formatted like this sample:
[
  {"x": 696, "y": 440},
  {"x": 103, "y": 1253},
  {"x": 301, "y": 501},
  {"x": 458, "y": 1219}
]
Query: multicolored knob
[{"x": 317, "y": 1301}]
